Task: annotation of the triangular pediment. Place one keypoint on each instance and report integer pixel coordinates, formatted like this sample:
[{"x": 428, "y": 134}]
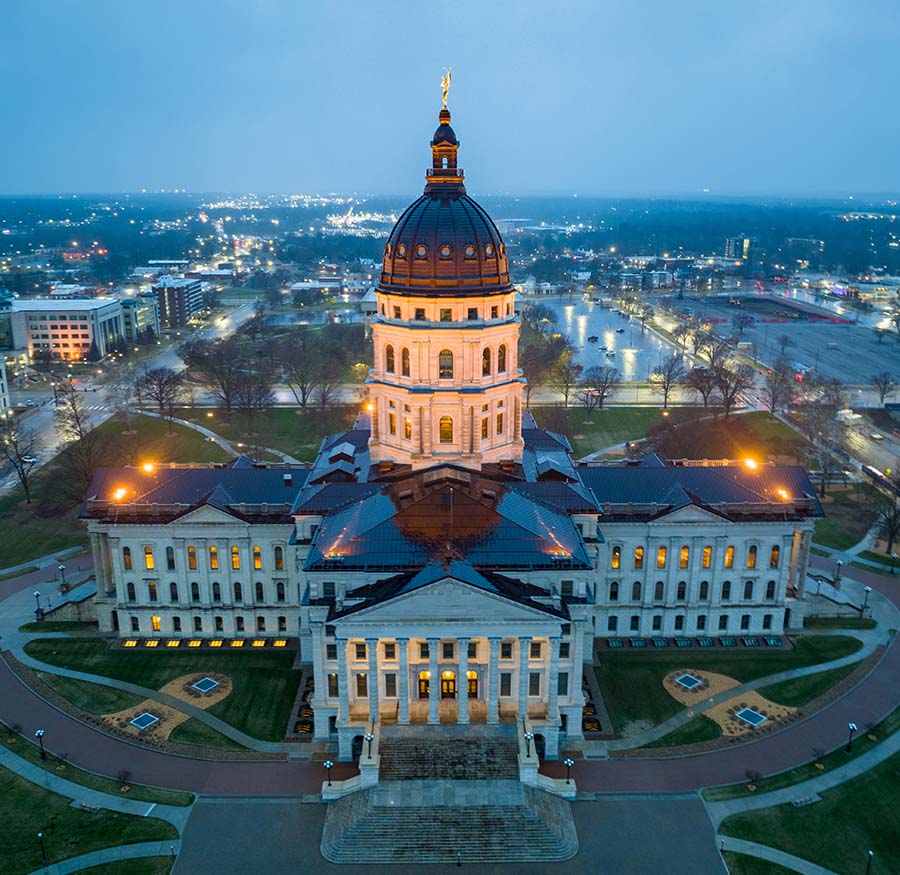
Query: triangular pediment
[
  {"x": 691, "y": 513},
  {"x": 447, "y": 600},
  {"x": 205, "y": 514}
]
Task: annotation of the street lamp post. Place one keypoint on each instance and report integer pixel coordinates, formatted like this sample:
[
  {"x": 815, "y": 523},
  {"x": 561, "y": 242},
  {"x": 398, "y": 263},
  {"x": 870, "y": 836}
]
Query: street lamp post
[
  {"x": 62, "y": 571},
  {"x": 40, "y": 838},
  {"x": 837, "y": 572},
  {"x": 869, "y": 855},
  {"x": 568, "y": 764},
  {"x": 852, "y": 727},
  {"x": 37, "y": 600},
  {"x": 369, "y": 738},
  {"x": 893, "y": 560},
  {"x": 328, "y": 765},
  {"x": 528, "y": 739},
  {"x": 865, "y": 605},
  {"x": 39, "y": 735}
]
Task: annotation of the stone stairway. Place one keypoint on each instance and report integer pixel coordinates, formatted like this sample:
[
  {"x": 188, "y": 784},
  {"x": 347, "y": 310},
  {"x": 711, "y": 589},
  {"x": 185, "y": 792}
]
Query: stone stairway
[{"x": 448, "y": 758}]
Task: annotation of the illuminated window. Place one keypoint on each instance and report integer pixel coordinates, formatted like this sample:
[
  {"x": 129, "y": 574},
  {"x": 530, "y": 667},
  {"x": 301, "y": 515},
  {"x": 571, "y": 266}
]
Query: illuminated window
[
  {"x": 729, "y": 556},
  {"x": 486, "y": 362},
  {"x": 282, "y": 642},
  {"x": 485, "y": 427},
  {"x": 707, "y": 556},
  {"x": 215, "y": 643},
  {"x": 445, "y": 430},
  {"x": 259, "y": 642},
  {"x": 236, "y": 558},
  {"x": 445, "y": 364},
  {"x": 279, "y": 558},
  {"x": 407, "y": 428},
  {"x": 149, "y": 564},
  {"x": 126, "y": 558},
  {"x": 446, "y": 314},
  {"x": 774, "y": 556},
  {"x": 501, "y": 359},
  {"x": 661, "y": 557},
  {"x": 173, "y": 642},
  {"x": 404, "y": 362},
  {"x": 392, "y": 423},
  {"x": 214, "y": 558},
  {"x": 152, "y": 642},
  {"x": 638, "y": 557},
  {"x": 684, "y": 556},
  {"x": 499, "y": 423},
  {"x": 131, "y": 642},
  {"x": 192, "y": 558},
  {"x": 751, "y": 556},
  {"x": 257, "y": 558},
  {"x": 237, "y": 643},
  {"x": 616, "y": 558},
  {"x": 389, "y": 359}
]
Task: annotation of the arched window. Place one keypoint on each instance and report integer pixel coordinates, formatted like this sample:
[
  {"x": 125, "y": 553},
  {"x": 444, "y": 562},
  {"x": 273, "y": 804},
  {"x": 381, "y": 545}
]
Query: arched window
[
  {"x": 238, "y": 593},
  {"x": 751, "y": 556},
  {"x": 636, "y": 591},
  {"x": 217, "y": 591},
  {"x": 774, "y": 556},
  {"x": 770, "y": 590},
  {"x": 684, "y": 557},
  {"x": 173, "y": 592},
  {"x": 486, "y": 362},
  {"x": 658, "y": 591},
  {"x": 726, "y": 590},
  {"x": 170, "y": 558},
  {"x": 279, "y": 558},
  {"x": 638, "y": 557},
  {"x": 279, "y": 590},
  {"x": 195, "y": 592},
  {"x": 616, "y": 558},
  {"x": 614, "y": 591},
  {"x": 236, "y": 558},
  {"x": 154, "y": 623},
  {"x": 389, "y": 359},
  {"x": 704, "y": 590},
  {"x": 257, "y": 558},
  {"x": 192, "y": 558},
  {"x": 661, "y": 557},
  {"x": 748, "y": 590},
  {"x": 259, "y": 591},
  {"x": 707, "y": 556},
  {"x": 501, "y": 359},
  {"x": 149, "y": 562},
  {"x": 214, "y": 558},
  {"x": 404, "y": 362},
  {"x": 151, "y": 592},
  {"x": 445, "y": 430},
  {"x": 126, "y": 558},
  {"x": 681, "y": 592},
  {"x": 445, "y": 364},
  {"x": 129, "y": 587},
  {"x": 729, "y": 556}
]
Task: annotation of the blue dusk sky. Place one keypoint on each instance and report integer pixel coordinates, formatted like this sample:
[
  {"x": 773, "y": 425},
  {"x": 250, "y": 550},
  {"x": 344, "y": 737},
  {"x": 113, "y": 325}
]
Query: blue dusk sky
[{"x": 592, "y": 97}]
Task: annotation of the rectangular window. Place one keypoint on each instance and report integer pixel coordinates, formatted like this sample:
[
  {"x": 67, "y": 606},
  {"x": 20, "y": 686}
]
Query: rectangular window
[
  {"x": 767, "y": 621},
  {"x": 485, "y": 427},
  {"x": 390, "y": 685},
  {"x": 535, "y": 650},
  {"x": 660, "y": 557},
  {"x": 701, "y": 622},
  {"x": 505, "y": 678},
  {"x": 214, "y": 558},
  {"x": 506, "y": 650},
  {"x": 679, "y": 623},
  {"x": 362, "y": 685},
  {"x": 534, "y": 683},
  {"x": 407, "y": 428},
  {"x": 328, "y": 589},
  {"x": 257, "y": 558},
  {"x": 723, "y": 622},
  {"x": 332, "y": 686},
  {"x": 657, "y": 623},
  {"x": 392, "y": 423},
  {"x": 494, "y": 312},
  {"x": 149, "y": 562},
  {"x": 390, "y": 650},
  {"x": 192, "y": 558},
  {"x": 564, "y": 648},
  {"x": 423, "y": 651},
  {"x": 635, "y": 624},
  {"x": 396, "y": 312},
  {"x": 473, "y": 313},
  {"x": 707, "y": 557},
  {"x": 472, "y": 650},
  {"x": 567, "y": 587},
  {"x": 134, "y": 625},
  {"x": 684, "y": 556},
  {"x": 235, "y": 559},
  {"x": 499, "y": 423},
  {"x": 360, "y": 651},
  {"x": 446, "y": 314},
  {"x": 612, "y": 624},
  {"x": 331, "y": 651},
  {"x": 447, "y": 648},
  {"x": 420, "y": 314},
  {"x": 562, "y": 684},
  {"x": 745, "y": 622}
]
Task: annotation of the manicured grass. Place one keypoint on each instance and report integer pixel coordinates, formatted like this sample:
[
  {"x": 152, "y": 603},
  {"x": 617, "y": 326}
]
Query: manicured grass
[
  {"x": 138, "y": 866},
  {"x": 287, "y": 429},
  {"x": 837, "y": 832},
  {"x": 742, "y": 864},
  {"x": 60, "y": 626},
  {"x": 93, "y": 698},
  {"x": 11, "y": 574},
  {"x": 197, "y": 733},
  {"x": 632, "y": 686},
  {"x": 854, "y": 622},
  {"x": 880, "y": 558},
  {"x": 799, "y": 691},
  {"x": 26, "y": 534},
  {"x": 700, "y": 728},
  {"x": 28, "y": 809},
  {"x": 832, "y": 760},
  {"x": 264, "y": 684},
  {"x": 29, "y": 751},
  {"x": 152, "y": 441},
  {"x": 848, "y": 518}
]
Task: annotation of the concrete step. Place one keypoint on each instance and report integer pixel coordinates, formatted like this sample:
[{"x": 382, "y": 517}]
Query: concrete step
[{"x": 450, "y": 758}]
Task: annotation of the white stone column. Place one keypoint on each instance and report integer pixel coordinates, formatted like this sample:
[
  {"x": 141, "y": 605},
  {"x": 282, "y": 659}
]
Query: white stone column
[
  {"x": 434, "y": 683},
  {"x": 523, "y": 677},
  {"x": 372, "y": 650},
  {"x": 553, "y": 681},
  {"x": 343, "y": 696},
  {"x": 321, "y": 691},
  {"x": 462, "y": 696},
  {"x": 493, "y": 696},
  {"x": 403, "y": 710}
]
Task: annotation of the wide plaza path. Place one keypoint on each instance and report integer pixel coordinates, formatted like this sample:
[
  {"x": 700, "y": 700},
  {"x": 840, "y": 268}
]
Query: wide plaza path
[{"x": 89, "y": 748}]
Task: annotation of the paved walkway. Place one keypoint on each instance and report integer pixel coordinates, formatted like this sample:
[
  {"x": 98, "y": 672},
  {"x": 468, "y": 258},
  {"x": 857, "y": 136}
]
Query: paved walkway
[
  {"x": 112, "y": 855},
  {"x": 43, "y": 561},
  {"x": 773, "y": 855}
]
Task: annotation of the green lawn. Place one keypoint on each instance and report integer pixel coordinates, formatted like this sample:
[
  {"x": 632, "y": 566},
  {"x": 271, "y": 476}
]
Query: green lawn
[
  {"x": 848, "y": 518},
  {"x": 138, "y": 866},
  {"x": 632, "y": 688},
  {"x": 697, "y": 729},
  {"x": 742, "y": 864},
  {"x": 832, "y": 760},
  {"x": 880, "y": 558},
  {"x": 197, "y": 733},
  {"x": 28, "y": 809},
  {"x": 153, "y": 442},
  {"x": 25, "y": 748},
  {"x": 798, "y": 691},
  {"x": 93, "y": 698},
  {"x": 73, "y": 626},
  {"x": 854, "y": 622},
  {"x": 837, "y": 832},
  {"x": 265, "y": 686},
  {"x": 26, "y": 534}
]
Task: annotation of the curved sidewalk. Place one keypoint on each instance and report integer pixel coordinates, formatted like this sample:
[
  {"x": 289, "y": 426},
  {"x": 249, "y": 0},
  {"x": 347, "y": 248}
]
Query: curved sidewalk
[
  {"x": 772, "y": 855},
  {"x": 112, "y": 855}
]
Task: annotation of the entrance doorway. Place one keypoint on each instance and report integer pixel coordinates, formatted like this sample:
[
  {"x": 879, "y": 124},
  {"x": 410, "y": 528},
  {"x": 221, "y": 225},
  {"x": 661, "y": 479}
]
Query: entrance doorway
[
  {"x": 448, "y": 685},
  {"x": 424, "y": 684},
  {"x": 472, "y": 678}
]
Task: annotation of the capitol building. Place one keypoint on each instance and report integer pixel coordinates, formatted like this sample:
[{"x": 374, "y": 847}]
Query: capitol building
[{"x": 446, "y": 560}]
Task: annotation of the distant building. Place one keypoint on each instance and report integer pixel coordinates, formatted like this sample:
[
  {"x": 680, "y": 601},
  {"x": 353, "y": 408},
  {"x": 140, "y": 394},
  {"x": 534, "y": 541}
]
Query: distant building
[
  {"x": 738, "y": 247},
  {"x": 657, "y": 279},
  {"x": 4, "y": 390},
  {"x": 178, "y": 298},
  {"x": 631, "y": 280},
  {"x": 138, "y": 315},
  {"x": 71, "y": 290},
  {"x": 64, "y": 330}
]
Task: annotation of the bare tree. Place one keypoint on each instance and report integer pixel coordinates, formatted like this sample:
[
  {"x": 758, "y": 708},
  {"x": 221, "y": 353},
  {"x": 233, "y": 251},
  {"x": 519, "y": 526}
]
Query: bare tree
[
  {"x": 731, "y": 380},
  {"x": 884, "y": 384},
  {"x": 597, "y": 385},
  {"x": 699, "y": 341},
  {"x": 644, "y": 316},
  {"x": 778, "y": 387},
  {"x": 824, "y": 399},
  {"x": 70, "y": 413},
  {"x": 703, "y": 382},
  {"x": 565, "y": 378},
  {"x": 162, "y": 386},
  {"x": 784, "y": 341},
  {"x": 325, "y": 389},
  {"x": 20, "y": 448},
  {"x": 889, "y": 522},
  {"x": 740, "y": 321},
  {"x": 666, "y": 376},
  {"x": 299, "y": 355},
  {"x": 881, "y": 333},
  {"x": 540, "y": 317},
  {"x": 717, "y": 350},
  {"x": 216, "y": 363},
  {"x": 253, "y": 391}
]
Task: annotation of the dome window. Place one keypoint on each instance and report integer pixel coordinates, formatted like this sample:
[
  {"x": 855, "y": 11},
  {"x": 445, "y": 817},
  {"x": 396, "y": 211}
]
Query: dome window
[
  {"x": 446, "y": 251},
  {"x": 421, "y": 251},
  {"x": 470, "y": 251},
  {"x": 401, "y": 250},
  {"x": 489, "y": 250},
  {"x": 387, "y": 251}
]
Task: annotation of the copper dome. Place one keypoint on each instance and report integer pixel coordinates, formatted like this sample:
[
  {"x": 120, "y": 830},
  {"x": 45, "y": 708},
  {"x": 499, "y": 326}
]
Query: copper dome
[{"x": 445, "y": 243}]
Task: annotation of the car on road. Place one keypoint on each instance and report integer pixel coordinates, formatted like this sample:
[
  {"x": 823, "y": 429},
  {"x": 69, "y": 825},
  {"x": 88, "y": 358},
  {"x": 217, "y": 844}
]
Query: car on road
[
  {"x": 31, "y": 460},
  {"x": 876, "y": 437},
  {"x": 31, "y": 403},
  {"x": 611, "y": 354},
  {"x": 620, "y": 331},
  {"x": 593, "y": 338}
]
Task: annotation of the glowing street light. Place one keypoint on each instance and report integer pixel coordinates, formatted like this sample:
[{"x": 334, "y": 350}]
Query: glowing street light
[
  {"x": 529, "y": 736},
  {"x": 568, "y": 762},
  {"x": 39, "y": 735},
  {"x": 329, "y": 765}
]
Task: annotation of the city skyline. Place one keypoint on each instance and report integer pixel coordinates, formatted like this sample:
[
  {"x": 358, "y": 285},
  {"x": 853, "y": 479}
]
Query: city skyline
[{"x": 587, "y": 99}]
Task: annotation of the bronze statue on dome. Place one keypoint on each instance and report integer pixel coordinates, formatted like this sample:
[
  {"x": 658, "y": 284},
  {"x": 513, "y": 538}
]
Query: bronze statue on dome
[{"x": 445, "y": 84}]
